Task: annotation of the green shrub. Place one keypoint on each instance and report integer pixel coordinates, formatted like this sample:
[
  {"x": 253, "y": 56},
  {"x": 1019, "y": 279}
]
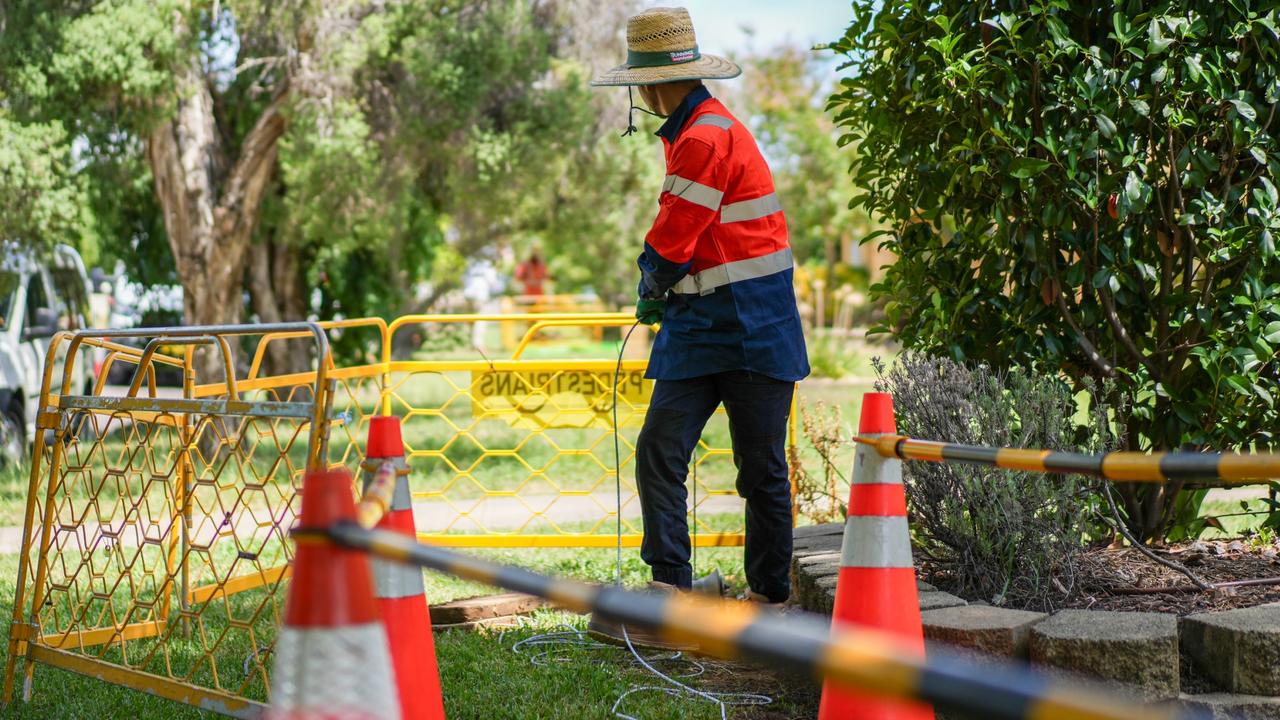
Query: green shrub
[
  {"x": 1083, "y": 188},
  {"x": 829, "y": 358},
  {"x": 818, "y": 496},
  {"x": 995, "y": 534}
]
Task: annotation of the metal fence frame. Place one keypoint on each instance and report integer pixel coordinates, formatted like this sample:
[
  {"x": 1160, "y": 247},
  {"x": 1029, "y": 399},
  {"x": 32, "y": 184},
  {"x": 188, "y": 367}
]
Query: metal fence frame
[{"x": 231, "y": 397}]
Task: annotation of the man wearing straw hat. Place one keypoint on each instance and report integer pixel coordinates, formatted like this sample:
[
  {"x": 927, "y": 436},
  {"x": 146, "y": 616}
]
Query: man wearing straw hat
[{"x": 716, "y": 271}]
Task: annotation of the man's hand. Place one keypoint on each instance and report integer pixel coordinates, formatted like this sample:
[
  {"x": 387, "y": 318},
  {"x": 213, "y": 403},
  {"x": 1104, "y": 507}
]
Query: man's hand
[{"x": 650, "y": 312}]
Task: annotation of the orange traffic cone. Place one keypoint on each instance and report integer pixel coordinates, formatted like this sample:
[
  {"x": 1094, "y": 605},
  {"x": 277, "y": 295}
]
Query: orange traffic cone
[
  {"x": 331, "y": 658},
  {"x": 876, "y": 586},
  {"x": 399, "y": 588}
]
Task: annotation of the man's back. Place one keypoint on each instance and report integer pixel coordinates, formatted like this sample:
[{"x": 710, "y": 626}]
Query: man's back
[{"x": 734, "y": 308}]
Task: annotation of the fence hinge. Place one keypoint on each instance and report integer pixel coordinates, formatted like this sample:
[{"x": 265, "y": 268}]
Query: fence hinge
[{"x": 24, "y": 631}]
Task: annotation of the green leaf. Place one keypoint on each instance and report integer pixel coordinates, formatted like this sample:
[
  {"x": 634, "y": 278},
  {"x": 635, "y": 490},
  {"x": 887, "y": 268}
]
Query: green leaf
[
  {"x": 1002, "y": 22},
  {"x": 1239, "y": 384},
  {"x": 1133, "y": 187},
  {"x": 1025, "y": 167},
  {"x": 1194, "y": 67},
  {"x": 1106, "y": 126},
  {"x": 1264, "y": 394},
  {"x": 1271, "y": 190},
  {"x": 1245, "y": 109},
  {"x": 1184, "y": 413},
  {"x": 1272, "y": 332},
  {"x": 1156, "y": 41}
]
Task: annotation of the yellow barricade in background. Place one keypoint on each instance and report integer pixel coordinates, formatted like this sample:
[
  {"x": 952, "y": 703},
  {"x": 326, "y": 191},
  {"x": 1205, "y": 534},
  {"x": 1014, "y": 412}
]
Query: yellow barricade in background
[
  {"x": 541, "y": 399},
  {"x": 515, "y": 307},
  {"x": 518, "y": 451},
  {"x": 155, "y": 537}
]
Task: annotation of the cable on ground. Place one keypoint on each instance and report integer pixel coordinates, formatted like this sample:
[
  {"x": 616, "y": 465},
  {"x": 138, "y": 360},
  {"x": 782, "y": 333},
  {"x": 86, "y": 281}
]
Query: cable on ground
[{"x": 540, "y": 649}]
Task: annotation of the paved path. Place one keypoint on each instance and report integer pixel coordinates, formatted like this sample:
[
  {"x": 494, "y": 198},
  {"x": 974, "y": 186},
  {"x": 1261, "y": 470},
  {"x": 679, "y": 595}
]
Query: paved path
[{"x": 533, "y": 513}]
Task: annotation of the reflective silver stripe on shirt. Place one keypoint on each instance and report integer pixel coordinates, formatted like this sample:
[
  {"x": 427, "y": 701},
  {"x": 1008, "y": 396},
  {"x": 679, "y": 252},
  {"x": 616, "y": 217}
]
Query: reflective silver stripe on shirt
[
  {"x": 750, "y": 209},
  {"x": 872, "y": 541},
  {"x": 694, "y": 192},
  {"x": 705, "y": 282},
  {"x": 719, "y": 121}
]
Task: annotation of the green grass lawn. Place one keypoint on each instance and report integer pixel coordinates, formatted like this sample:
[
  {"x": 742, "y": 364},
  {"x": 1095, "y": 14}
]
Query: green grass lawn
[
  {"x": 464, "y": 455},
  {"x": 482, "y": 676},
  {"x": 1241, "y": 515}
]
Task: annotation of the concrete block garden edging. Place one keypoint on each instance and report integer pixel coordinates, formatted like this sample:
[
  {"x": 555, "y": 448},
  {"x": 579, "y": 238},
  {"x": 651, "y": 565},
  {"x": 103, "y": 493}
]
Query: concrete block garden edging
[
  {"x": 1236, "y": 650},
  {"x": 1138, "y": 650}
]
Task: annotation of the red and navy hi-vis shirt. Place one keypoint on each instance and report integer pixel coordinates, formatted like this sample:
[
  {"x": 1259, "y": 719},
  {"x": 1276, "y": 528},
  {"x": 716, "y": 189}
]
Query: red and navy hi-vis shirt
[{"x": 719, "y": 252}]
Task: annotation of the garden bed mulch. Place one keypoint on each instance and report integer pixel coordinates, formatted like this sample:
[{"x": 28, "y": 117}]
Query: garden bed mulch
[{"x": 1110, "y": 577}]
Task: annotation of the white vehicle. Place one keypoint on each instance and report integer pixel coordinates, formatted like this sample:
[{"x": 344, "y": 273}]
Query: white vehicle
[{"x": 37, "y": 299}]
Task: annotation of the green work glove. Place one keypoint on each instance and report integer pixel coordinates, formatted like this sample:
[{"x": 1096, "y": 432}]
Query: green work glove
[{"x": 650, "y": 312}]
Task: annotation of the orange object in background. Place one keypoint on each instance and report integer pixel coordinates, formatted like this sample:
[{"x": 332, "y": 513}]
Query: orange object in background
[{"x": 532, "y": 273}]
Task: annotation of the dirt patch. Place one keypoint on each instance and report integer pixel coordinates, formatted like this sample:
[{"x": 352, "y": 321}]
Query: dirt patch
[
  {"x": 793, "y": 695},
  {"x": 1125, "y": 579}
]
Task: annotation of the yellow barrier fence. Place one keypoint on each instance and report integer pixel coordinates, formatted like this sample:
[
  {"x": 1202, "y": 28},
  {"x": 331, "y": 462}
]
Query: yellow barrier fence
[
  {"x": 515, "y": 306},
  {"x": 154, "y": 542},
  {"x": 151, "y": 510},
  {"x": 518, "y": 451}
]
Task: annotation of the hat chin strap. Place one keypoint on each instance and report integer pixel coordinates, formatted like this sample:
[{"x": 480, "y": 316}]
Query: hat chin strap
[{"x": 631, "y": 124}]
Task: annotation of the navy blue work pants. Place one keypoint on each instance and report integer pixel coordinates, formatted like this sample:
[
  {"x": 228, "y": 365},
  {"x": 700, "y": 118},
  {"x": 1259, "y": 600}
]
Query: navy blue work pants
[{"x": 757, "y": 407}]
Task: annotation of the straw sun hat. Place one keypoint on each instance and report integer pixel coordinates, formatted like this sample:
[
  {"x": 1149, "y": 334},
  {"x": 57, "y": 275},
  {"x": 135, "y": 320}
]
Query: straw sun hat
[{"x": 662, "y": 48}]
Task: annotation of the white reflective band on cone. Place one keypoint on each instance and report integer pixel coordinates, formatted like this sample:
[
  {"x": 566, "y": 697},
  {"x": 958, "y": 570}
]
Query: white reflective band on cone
[
  {"x": 751, "y": 209},
  {"x": 705, "y": 282},
  {"x": 395, "y": 580},
  {"x": 341, "y": 673},
  {"x": 874, "y": 541},
  {"x": 870, "y": 468},
  {"x": 402, "y": 499},
  {"x": 695, "y": 192}
]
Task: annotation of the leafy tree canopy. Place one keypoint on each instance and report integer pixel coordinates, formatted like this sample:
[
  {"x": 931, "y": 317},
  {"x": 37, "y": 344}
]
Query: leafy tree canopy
[
  {"x": 361, "y": 148},
  {"x": 782, "y": 92},
  {"x": 1089, "y": 188},
  {"x": 40, "y": 200}
]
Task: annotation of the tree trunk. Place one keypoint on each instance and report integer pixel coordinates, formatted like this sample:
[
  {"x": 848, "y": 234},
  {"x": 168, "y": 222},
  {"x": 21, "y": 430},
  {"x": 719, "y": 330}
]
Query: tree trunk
[
  {"x": 276, "y": 288},
  {"x": 210, "y": 204}
]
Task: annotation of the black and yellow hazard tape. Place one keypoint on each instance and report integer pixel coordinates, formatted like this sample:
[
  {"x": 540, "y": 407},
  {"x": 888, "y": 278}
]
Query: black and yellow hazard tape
[
  {"x": 1227, "y": 468},
  {"x": 866, "y": 660}
]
